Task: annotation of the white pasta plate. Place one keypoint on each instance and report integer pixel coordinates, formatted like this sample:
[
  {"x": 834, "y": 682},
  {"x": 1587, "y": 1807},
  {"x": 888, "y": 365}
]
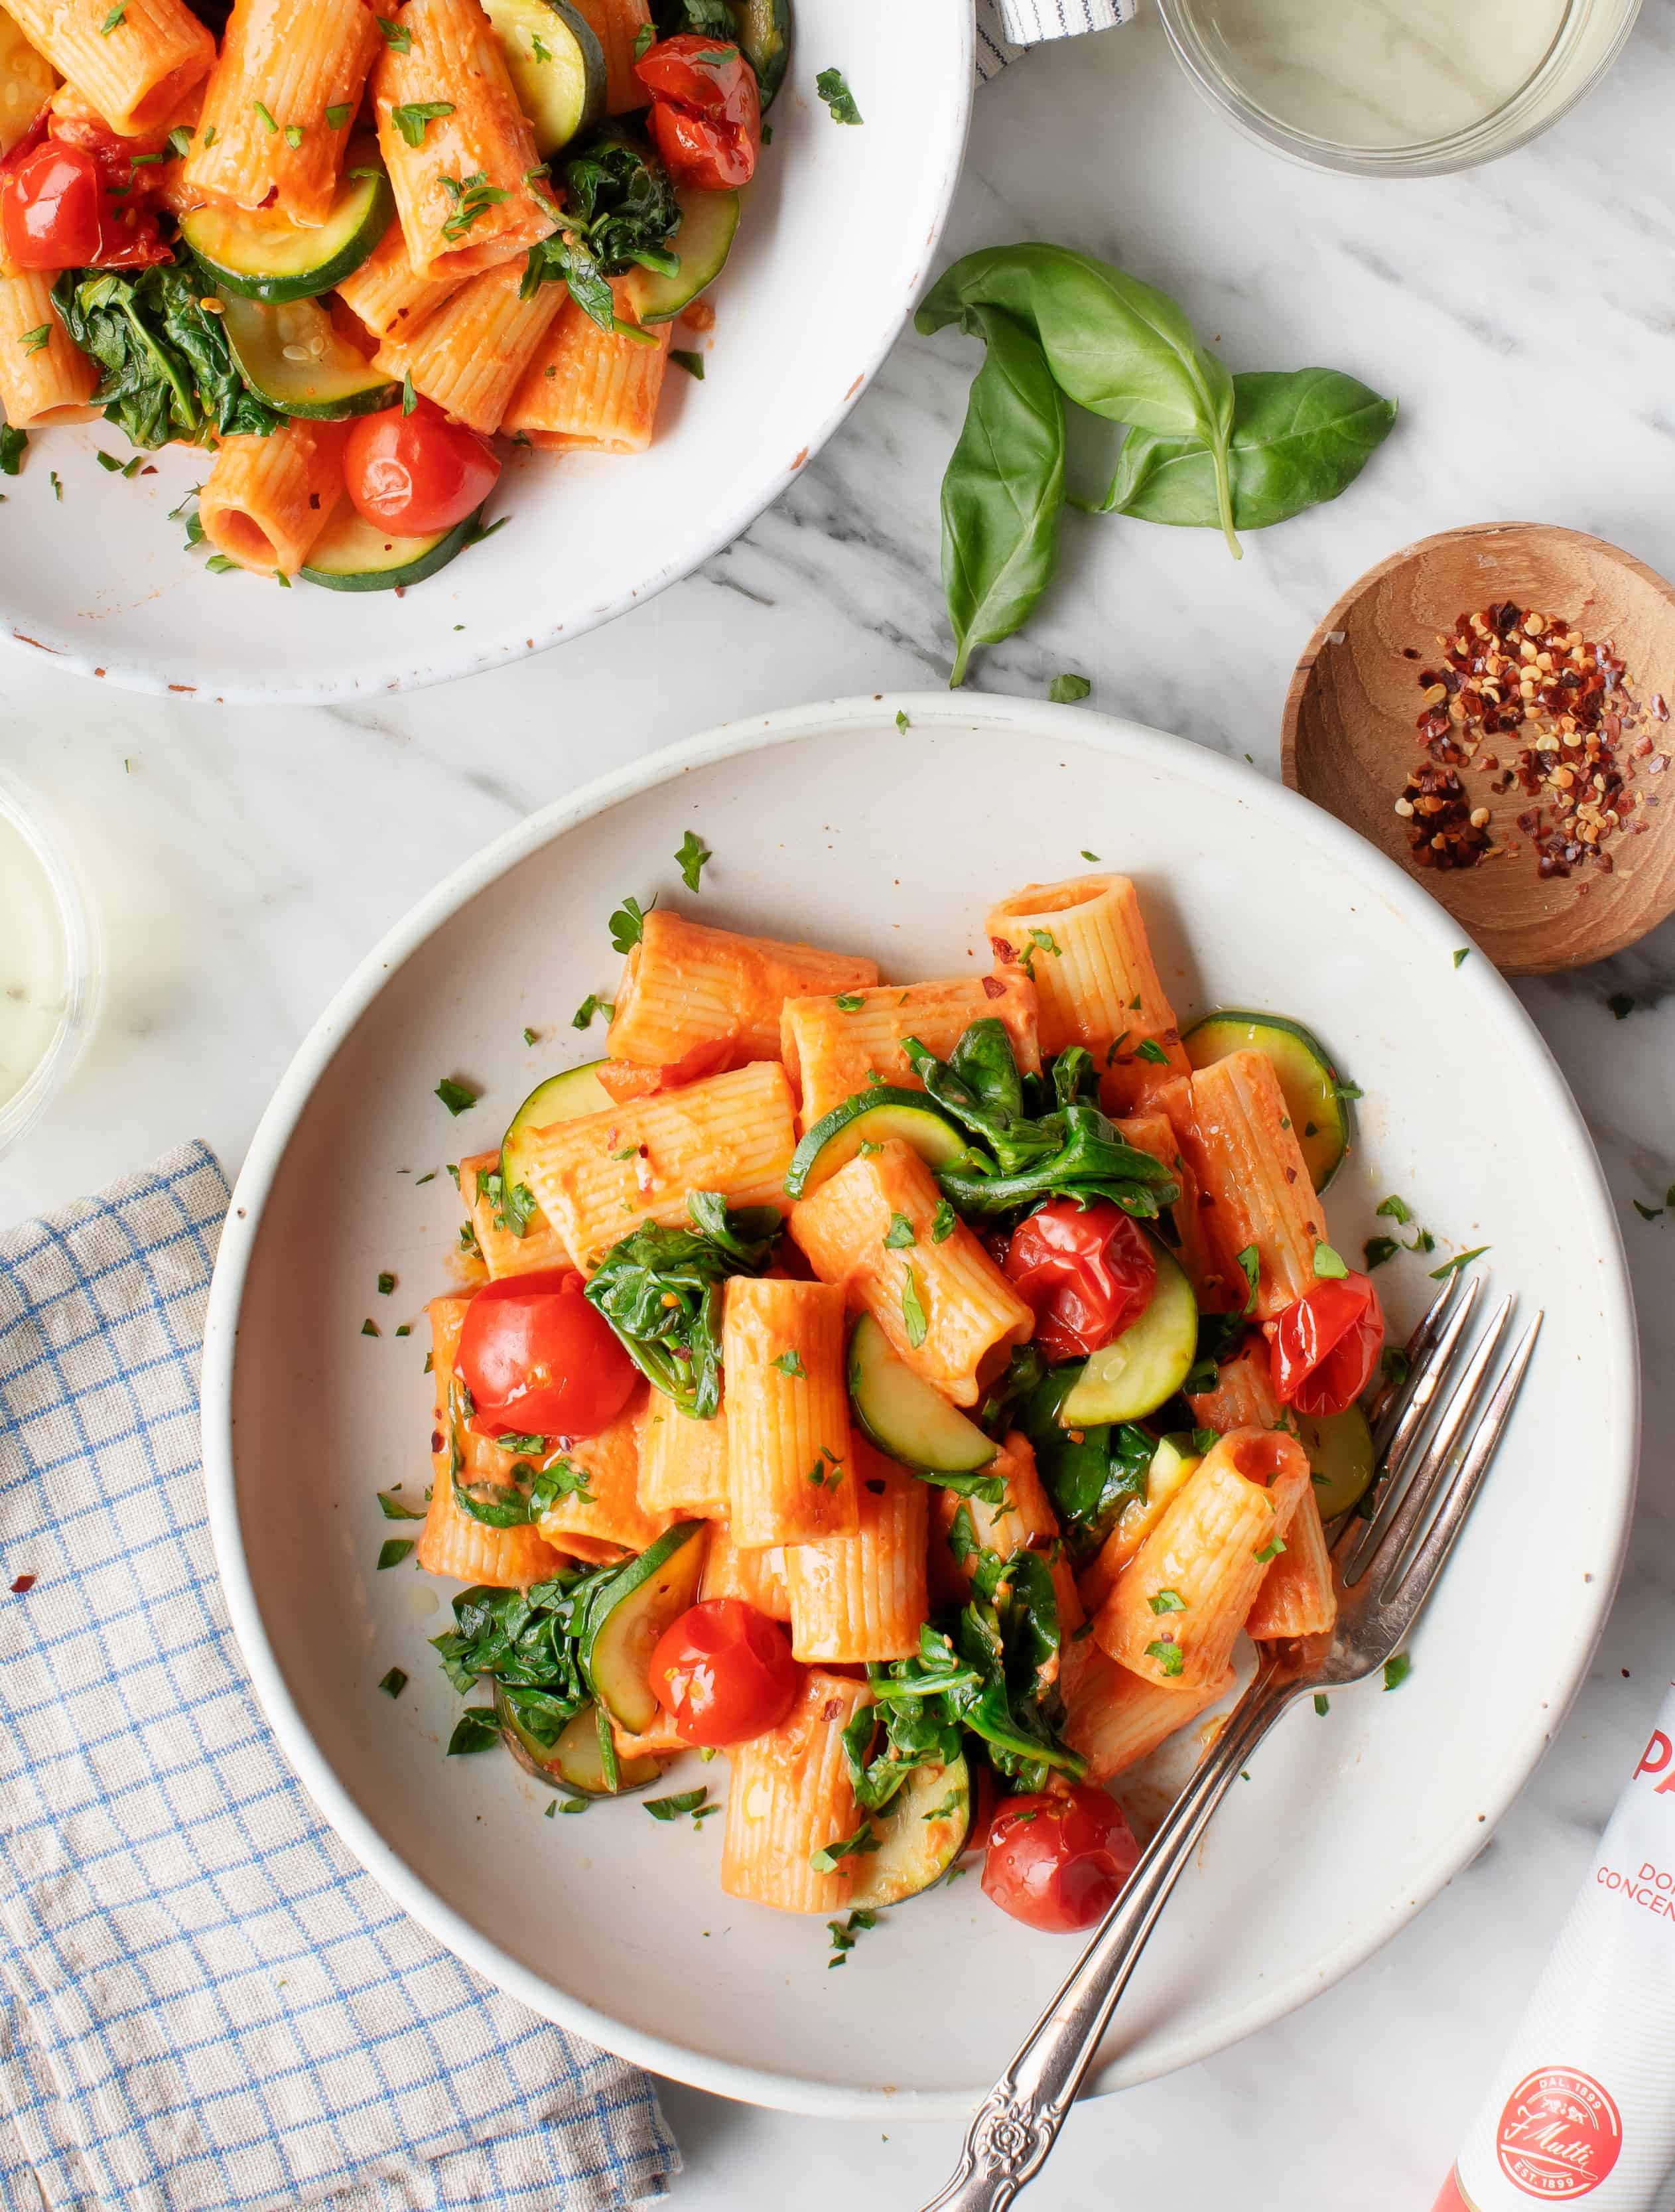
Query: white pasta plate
[
  {"x": 829, "y": 822},
  {"x": 837, "y": 240}
]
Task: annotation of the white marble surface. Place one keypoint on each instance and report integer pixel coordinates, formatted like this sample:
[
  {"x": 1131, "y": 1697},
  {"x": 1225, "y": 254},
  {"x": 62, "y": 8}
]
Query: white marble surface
[{"x": 1523, "y": 317}]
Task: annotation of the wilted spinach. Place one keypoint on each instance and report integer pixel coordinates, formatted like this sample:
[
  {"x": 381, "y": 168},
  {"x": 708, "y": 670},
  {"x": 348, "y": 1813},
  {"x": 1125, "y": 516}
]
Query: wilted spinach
[
  {"x": 620, "y": 210},
  {"x": 528, "y": 1642},
  {"x": 660, "y": 1290},
  {"x": 167, "y": 369}
]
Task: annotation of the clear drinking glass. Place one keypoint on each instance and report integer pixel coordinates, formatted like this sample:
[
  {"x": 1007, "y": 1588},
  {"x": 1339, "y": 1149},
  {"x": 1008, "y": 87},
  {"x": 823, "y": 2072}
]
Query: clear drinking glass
[
  {"x": 51, "y": 962},
  {"x": 1272, "y": 99}
]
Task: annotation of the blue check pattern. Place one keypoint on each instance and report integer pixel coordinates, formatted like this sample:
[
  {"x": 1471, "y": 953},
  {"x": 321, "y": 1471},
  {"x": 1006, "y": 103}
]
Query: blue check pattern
[
  {"x": 204, "y": 2002},
  {"x": 1006, "y": 27}
]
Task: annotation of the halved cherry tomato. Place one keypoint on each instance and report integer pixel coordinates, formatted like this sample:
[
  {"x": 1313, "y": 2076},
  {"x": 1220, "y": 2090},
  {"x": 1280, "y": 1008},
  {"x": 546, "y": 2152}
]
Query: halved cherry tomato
[
  {"x": 1322, "y": 1350},
  {"x": 416, "y": 473},
  {"x": 1058, "y": 1863},
  {"x": 723, "y": 1672},
  {"x": 539, "y": 1360},
  {"x": 706, "y": 119},
  {"x": 50, "y": 208},
  {"x": 1085, "y": 1274}
]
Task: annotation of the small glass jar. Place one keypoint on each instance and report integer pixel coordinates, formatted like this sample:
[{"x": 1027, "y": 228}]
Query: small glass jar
[
  {"x": 52, "y": 963},
  {"x": 1584, "y": 43}
]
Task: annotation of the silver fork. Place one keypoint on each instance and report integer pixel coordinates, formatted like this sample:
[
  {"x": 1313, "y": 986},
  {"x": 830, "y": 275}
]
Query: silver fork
[{"x": 1431, "y": 1457}]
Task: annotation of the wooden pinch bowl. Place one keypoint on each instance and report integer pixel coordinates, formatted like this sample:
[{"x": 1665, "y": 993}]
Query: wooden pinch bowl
[{"x": 1350, "y": 739}]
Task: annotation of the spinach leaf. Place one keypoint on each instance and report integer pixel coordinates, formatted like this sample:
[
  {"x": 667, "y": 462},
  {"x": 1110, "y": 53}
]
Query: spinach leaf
[
  {"x": 1116, "y": 346},
  {"x": 620, "y": 209},
  {"x": 167, "y": 370},
  {"x": 1090, "y": 1475},
  {"x": 660, "y": 1290},
  {"x": 528, "y": 1642},
  {"x": 1299, "y": 438},
  {"x": 1003, "y": 490}
]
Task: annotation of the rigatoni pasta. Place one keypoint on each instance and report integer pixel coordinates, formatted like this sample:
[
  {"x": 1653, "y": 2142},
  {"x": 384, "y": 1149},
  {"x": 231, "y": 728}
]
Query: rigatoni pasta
[
  {"x": 469, "y": 353},
  {"x": 834, "y": 1043},
  {"x": 584, "y": 389},
  {"x": 44, "y": 378},
  {"x": 278, "y": 106},
  {"x": 682, "y": 1461},
  {"x": 757, "y": 1576},
  {"x": 452, "y": 1542},
  {"x": 268, "y": 499},
  {"x": 1252, "y": 1169},
  {"x": 863, "y": 1596},
  {"x": 789, "y": 1473},
  {"x": 686, "y": 986},
  {"x": 134, "y": 70},
  {"x": 789, "y": 1797}
]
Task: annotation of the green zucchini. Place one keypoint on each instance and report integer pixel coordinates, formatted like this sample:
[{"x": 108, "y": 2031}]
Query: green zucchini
[
  {"x": 290, "y": 355},
  {"x": 1314, "y": 1100},
  {"x": 1340, "y": 1452},
  {"x": 353, "y": 555},
  {"x": 899, "y": 1412},
  {"x": 872, "y": 1117},
  {"x": 627, "y": 1615},
  {"x": 577, "y": 1761},
  {"x": 556, "y": 64},
  {"x": 764, "y": 38},
  {"x": 1147, "y": 1364},
  {"x": 920, "y": 1832},
  {"x": 702, "y": 243},
  {"x": 264, "y": 257},
  {"x": 563, "y": 1097}
]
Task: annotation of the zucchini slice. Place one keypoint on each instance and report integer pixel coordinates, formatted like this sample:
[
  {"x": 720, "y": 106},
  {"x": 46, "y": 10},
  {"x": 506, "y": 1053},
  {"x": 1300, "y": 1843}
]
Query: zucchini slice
[
  {"x": 556, "y": 64},
  {"x": 921, "y": 1832},
  {"x": 1147, "y": 1364},
  {"x": 264, "y": 257},
  {"x": 899, "y": 1412},
  {"x": 1340, "y": 1452},
  {"x": 764, "y": 38},
  {"x": 872, "y": 1117},
  {"x": 703, "y": 242},
  {"x": 352, "y": 554},
  {"x": 290, "y": 355},
  {"x": 628, "y": 1614},
  {"x": 1319, "y": 1112},
  {"x": 577, "y": 1761},
  {"x": 564, "y": 1097}
]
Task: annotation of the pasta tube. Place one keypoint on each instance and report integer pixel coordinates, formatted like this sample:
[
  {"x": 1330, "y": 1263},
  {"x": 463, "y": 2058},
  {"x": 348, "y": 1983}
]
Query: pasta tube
[
  {"x": 604, "y": 1505},
  {"x": 758, "y": 1577},
  {"x": 608, "y": 1173},
  {"x": 789, "y": 1473},
  {"x": 789, "y": 1798},
  {"x": 1086, "y": 945},
  {"x": 1244, "y": 1396},
  {"x": 135, "y": 64},
  {"x": 1180, "y": 1603},
  {"x": 687, "y": 986},
  {"x": 617, "y": 25},
  {"x": 1253, "y": 1171},
  {"x": 464, "y": 192},
  {"x": 1199, "y": 1249},
  {"x": 384, "y": 293},
  {"x": 1169, "y": 1468},
  {"x": 945, "y": 1307},
  {"x": 268, "y": 499},
  {"x": 41, "y": 383},
  {"x": 682, "y": 1462},
  {"x": 861, "y": 1597},
  {"x": 504, "y": 1252},
  {"x": 26, "y": 80},
  {"x": 279, "y": 103},
  {"x": 451, "y": 1541},
  {"x": 469, "y": 355},
  {"x": 1115, "y": 1718},
  {"x": 588, "y": 389},
  {"x": 1298, "y": 1596},
  {"x": 831, "y": 1044}
]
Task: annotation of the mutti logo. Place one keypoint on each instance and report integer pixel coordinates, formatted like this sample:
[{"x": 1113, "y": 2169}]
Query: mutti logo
[
  {"x": 1658, "y": 1758},
  {"x": 1559, "y": 2134}
]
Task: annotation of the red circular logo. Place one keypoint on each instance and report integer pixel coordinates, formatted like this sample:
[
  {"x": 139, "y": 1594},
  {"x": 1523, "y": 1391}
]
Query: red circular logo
[{"x": 1560, "y": 2134}]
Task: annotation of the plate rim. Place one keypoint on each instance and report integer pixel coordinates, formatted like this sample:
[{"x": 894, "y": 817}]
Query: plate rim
[
  {"x": 63, "y": 647},
  {"x": 1118, "y": 738}
]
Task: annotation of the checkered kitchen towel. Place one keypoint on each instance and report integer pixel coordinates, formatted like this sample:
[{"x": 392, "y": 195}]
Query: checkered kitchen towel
[
  {"x": 203, "y": 2002},
  {"x": 1006, "y": 27}
]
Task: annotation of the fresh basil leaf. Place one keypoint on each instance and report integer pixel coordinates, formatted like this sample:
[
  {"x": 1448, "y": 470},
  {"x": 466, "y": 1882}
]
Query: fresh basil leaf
[
  {"x": 395, "y": 1508},
  {"x": 393, "y": 1551},
  {"x": 671, "y": 1809},
  {"x": 393, "y": 1683},
  {"x": 477, "y": 1729},
  {"x": 826, "y": 1858},
  {"x": 456, "y": 1097},
  {"x": 834, "y": 91}
]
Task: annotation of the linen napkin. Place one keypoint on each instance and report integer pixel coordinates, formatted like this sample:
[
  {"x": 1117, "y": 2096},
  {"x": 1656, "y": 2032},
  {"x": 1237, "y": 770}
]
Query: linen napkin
[
  {"x": 204, "y": 2002},
  {"x": 1006, "y": 27}
]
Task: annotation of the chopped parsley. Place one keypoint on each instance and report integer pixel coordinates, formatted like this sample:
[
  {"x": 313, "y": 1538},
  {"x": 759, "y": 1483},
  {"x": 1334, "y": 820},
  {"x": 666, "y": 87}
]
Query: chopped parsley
[
  {"x": 1149, "y": 1048},
  {"x": 398, "y": 40},
  {"x": 412, "y": 116},
  {"x": 456, "y": 1097},
  {"x": 1250, "y": 1266},
  {"x": 693, "y": 363},
  {"x": 1167, "y": 1601},
  {"x": 393, "y": 1683},
  {"x": 1377, "y": 1250},
  {"x": 899, "y": 1234},
  {"x": 1328, "y": 1266},
  {"x": 31, "y": 342},
  {"x": 471, "y": 196},
  {"x": 1397, "y": 1670},
  {"x": 13, "y": 444},
  {"x": 1269, "y": 1551},
  {"x": 1168, "y": 1654},
  {"x": 112, "y": 21},
  {"x": 1394, "y": 1209},
  {"x": 593, "y": 1004},
  {"x": 913, "y": 1311},
  {"x": 369, "y": 1327},
  {"x": 1322, "y": 1702},
  {"x": 262, "y": 117},
  {"x": 902, "y": 722},
  {"x": 387, "y": 1283},
  {"x": 1065, "y": 691},
  {"x": 1622, "y": 1004},
  {"x": 644, "y": 39},
  {"x": 1460, "y": 1260},
  {"x": 293, "y": 135},
  {"x": 826, "y": 1859},
  {"x": 393, "y": 1551},
  {"x": 335, "y": 116},
  {"x": 690, "y": 860},
  {"x": 827, "y": 1471},
  {"x": 398, "y": 1509},
  {"x": 627, "y": 925},
  {"x": 1462, "y": 954},
  {"x": 671, "y": 1809},
  {"x": 849, "y": 1002},
  {"x": 477, "y": 1729},
  {"x": 1087, "y": 856},
  {"x": 833, "y": 89},
  {"x": 790, "y": 1362},
  {"x": 410, "y": 398},
  {"x": 944, "y": 1221}
]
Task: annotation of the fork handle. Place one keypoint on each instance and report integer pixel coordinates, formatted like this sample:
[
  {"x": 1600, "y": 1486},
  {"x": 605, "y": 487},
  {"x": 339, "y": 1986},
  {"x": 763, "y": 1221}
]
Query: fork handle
[{"x": 1018, "y": 2122}]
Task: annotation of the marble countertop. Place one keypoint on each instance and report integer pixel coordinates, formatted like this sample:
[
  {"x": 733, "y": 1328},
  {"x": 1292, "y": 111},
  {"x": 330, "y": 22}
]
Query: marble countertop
[{"x": 1523, "y": 315}]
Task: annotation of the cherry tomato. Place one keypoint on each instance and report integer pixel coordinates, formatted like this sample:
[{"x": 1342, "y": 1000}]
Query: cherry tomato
[
  {"x": 50, "y": 209},
  {"x": 416, "y": 473},
  {"x": 1085, "y": 1275},
  {"x": 539, "y": 1360},
  {"x": 723, "y": 1672},
  {"x": 1057, "y": 1862},
  {"x": 1323, "y": 1350},
  {"x": 705, "y": 116}
]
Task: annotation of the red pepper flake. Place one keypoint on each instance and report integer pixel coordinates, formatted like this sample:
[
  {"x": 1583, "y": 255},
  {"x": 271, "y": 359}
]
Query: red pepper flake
[{"x": 23, "y": 1583}]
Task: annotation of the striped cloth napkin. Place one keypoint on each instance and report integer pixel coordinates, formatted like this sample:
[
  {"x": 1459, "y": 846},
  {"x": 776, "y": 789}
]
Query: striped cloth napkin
[
  {"x": 1006, "y": 27},
  {"x": 204, "y": 2002}
]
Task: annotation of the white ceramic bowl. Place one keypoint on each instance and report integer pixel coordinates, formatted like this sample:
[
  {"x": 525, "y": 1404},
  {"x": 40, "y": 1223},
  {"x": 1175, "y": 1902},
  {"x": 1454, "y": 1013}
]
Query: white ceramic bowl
[
  {"x": 838, "y": 238},
  {"x": 826, "y": 821}
]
